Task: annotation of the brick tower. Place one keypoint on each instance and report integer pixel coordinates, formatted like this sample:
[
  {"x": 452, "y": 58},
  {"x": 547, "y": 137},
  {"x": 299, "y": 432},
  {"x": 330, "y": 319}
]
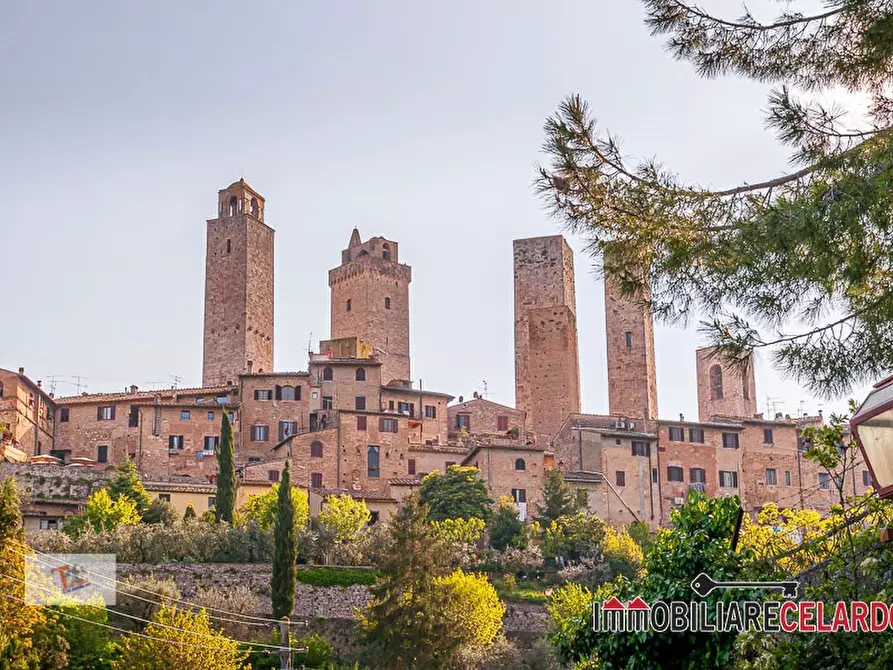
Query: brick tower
[
  {"x": 547, "y": 365},
  {"x": 238, "y": 288},
  {"x": 724, "y": 389},
  {"x": 370, "y": 300},
  {"x": 632, "y": 378}
]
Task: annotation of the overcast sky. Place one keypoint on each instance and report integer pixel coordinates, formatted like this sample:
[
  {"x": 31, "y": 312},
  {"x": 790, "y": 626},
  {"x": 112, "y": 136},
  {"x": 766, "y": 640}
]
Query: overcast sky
[{"x": 418, "y": 121}]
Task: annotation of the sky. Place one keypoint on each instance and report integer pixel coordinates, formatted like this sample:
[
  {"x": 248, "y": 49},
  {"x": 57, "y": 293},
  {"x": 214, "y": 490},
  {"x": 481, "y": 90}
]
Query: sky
[{"x": 419, "y": 122}]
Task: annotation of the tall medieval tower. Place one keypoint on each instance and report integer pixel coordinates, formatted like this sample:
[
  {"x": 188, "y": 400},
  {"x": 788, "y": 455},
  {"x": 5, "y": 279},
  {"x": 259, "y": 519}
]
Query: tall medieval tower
[
  {"x": 725, "y": 389},
  {"x": 370, "y": 300},
  {"x": 632, "y": 376},
  {"x": 238, "y": 288},
  {"x": 547, "y": 364}
]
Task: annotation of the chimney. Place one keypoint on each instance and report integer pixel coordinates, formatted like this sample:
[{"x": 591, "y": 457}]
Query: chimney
[
  {"x": 39, "y": 383},
  {"x": 681, "y": 417},
  {"x": 134, "y": 388},
  {"x": 250, "y": 366},
  {"x": 778, "y": 416},
  {"x": 21, "y": 371}
]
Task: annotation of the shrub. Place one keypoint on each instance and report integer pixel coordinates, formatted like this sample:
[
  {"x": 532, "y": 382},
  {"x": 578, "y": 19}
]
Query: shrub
[
  {"x": 134, "y": 592},
  {"x": 160, "y": 511},
  {"x": 336, "y": 576},
  {"x": 237, "y": 600},
  {"x": 474, "y": 609}
]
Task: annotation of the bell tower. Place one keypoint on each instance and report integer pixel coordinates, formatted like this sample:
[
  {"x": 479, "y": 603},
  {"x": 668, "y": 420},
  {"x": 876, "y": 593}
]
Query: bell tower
[{"x": 238, "y": 336}]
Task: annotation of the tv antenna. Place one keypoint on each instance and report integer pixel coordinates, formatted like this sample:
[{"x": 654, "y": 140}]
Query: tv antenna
[
  {"x": 78, "y": 381},
  {"x": 484, "y": 385},
  {"x": 177, "y": 379}
]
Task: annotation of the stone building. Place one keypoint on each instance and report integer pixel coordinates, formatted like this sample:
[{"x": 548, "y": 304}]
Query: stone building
[
  {"x": 480, "y": 416},
  {"x": 27, "y": 415},
  {"x": 547, "y": 366},
  {"x": 724, "y": 389}
]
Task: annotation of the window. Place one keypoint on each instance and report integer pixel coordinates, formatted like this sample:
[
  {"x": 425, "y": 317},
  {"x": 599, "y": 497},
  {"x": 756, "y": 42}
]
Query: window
[
  {"x": 316, "y": 480},
  {"x": 260, "y": 433},
  {"x": 360, "y": 374},
  {"x": 212, "y": 500},
  {"x": 231, "y": 416},
  {"x": 273, "y": 475},
  {"x": 463, "y": 421},
  {"x": 728, "y": 480},
  {"x": 373, "y": 517},
  {"x": 255, "y": 210},
  {"x": 746, "y": 389},
  {"x": 287, "y": 429},
  {"x": 387, "y": 303},
  {"x": 210, "y": 416},
  {"x": 360, "y": 402},
  {"x": 696, "y": 435},
  {"x": 106, "y": 413},
  {"x": 184, "y": 415},
  {"x": 620, "y": 478},
  {"x": 654, "y": 475},
  {"x": 223, "y": 399},
  {"x": 448, "y": 465},
  {"x": 866, "y": 478},
  {"x": 316, "y": 449},
  {"x": 697, "y": 475},
  {"x": 263, "y": 394},
  {"x": 519, "y": 495},
  {"x": 771, "y": 477},
  {"x": 327, "y": 374},
  {"x": 233, "y": 206},
  {"x": 768, "y": 438},
  {"x": 824, "y": 481},
  {"x": 391, "y": 405},
  {"x": 641, "y": 448},
  {"x": 387, "y": 425},
  {"x": 677, "y": 434},
  {"x": 286, "y": 393},
  {"x": 254, "y": 459},
  {"x": 175, "y": 442},
  {"x": 730, "y": 440},
  {"x": 406, "y": 408},
  {"x": 629, "y": 339},
  {"x": 166, "y": 497},
  {"x": 199, "y": 400},
  {"x": 49, "y": 524},
  {"x": 102, "y": 453},
  {"x": 361, "y": 423},
  {"x": 502, "y": 423},
  {"x": 328, "y": 402},
  {"x": 63, "y": 414},
  {"x": 372, "y": 469},
  {"x": 411, "y": 466},
  {"x": 674, "y": 474},
  {"x": 211, "y": 442},
  {"x": 716, "y": 383},
  {"x": 386, "y": 251},
  {"x": 430, "y": 412},
  {"x": 520, "y": 464},
  {"x": 1, "y": 389},
  {"x": 348, "y": 304},
  {"x": 30, "y": 400},
  {"x": 229, "y": 246},
  {"x": 787, "y": 477}
]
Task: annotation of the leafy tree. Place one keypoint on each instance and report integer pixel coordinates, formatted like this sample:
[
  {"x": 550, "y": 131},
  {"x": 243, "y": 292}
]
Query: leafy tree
[
  {"x": 574, "y": 537},
  {"x": 227, "y": 483},
  {"x": 89, "y": 644},
  {"x": 465, "y": 531},
  {"x": 189, "y": 514},
  {"x": 406, "y": 619},
  {"x": 180, "y": 639},
  {"x": 127, "y": 482},
  {"x": 285, "y": 552},
  {"x": 799, "y": 264},
  {"x": 20, "y": 624},
  {"x": 161, "y": 511},
  {"x": 641, "y": 534},
  {"x": 559, "y": 499},
  {"x": 506, "y": 528},
  {"x": 458, "y": 494},
  {"x": 474, "y": 611},
  {"x": 102, "y": 513},
  {"x": 344, "y": 516},
  {"x": 263, "y": 508},
  {"x": 622, "y": 555}
]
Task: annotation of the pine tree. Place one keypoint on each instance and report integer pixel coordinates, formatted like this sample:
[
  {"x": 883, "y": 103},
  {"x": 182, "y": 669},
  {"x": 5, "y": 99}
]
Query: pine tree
[
  {"x": 285, "y": 551},
  {"x": 127, "y": 482},
  {"x": 559, "y": 499},
  {"x": 225, "y": 503},
  {"x": 798, "y": 265},
  {"x": 407, "y": 619}
]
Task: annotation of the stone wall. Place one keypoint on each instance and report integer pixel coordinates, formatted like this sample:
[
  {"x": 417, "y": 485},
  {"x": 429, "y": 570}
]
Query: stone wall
[{"x": 52, "y": 482}]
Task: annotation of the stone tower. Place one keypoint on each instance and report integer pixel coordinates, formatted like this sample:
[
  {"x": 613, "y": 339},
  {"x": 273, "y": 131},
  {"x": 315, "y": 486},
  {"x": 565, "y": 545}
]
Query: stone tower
[
  {"x": 370, "y": 300},
  {"x": 238, "y": 288},
  {"x": 632, "y": 377},
  {"x": 724, "y": 389},
  {"x": 547, "y": 365}
]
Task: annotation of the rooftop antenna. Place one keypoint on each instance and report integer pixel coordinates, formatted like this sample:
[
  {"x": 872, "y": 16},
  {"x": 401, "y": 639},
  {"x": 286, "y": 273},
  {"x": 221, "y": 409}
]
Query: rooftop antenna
[
  {"x": 67, "y": 379},
  {"x": 484, "y": 383},
  {"x": 154, "y": 384},
  {"x": 310, "y": 343},
  {"x": 772, "y": 405},
  {"x": 177, "y": 379}
]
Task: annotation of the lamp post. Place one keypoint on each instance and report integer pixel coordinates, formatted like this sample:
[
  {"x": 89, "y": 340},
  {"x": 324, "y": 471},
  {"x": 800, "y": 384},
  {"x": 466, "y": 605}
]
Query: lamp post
[{"x": 872, "y": 426}]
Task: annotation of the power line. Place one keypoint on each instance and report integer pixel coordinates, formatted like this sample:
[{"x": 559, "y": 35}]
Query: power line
[{"x": 153, "y": 602}]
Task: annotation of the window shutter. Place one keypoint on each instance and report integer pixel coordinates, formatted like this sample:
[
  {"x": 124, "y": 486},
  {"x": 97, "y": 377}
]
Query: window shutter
[
  {"x": 278, "y": 392},
  {"x": 297, "y": 392},
  {"x": 99, "y": 413},
  {"x": 256, "y": 394},
  {"x": 113, "y": 412}
]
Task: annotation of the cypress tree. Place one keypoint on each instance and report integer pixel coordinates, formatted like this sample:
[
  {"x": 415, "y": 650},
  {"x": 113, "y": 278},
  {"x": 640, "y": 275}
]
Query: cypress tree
[
  {"x": 227, "y": 484},
  {"x": 285, "y": 551}
]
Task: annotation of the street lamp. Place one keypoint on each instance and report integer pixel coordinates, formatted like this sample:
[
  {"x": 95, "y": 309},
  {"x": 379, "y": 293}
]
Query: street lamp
[{"x": 872, "y": 425}]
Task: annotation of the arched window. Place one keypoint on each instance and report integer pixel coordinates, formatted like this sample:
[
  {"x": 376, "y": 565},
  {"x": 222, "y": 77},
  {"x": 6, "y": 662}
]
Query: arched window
[
  {"x": 348, "y": 304},
  {"x": 520, "y": 464},
  {"x": 255, "y": 208},
  {"x": 716, "y": 383},
  {"x": 316, "y": 449},
  {"x": 386, "y": 251},
  {"x": 288, "y": 392},
  {"x": 233, "y": 206},
  {"x": 327, "y": 374},
  {"x": 387, "y": 303},
  {"x": 361, "y": 374}
]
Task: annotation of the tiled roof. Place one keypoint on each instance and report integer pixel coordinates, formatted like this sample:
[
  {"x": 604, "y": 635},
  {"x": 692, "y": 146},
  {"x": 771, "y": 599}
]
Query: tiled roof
[
  {"x": 484, "y": 400},
  {"x": 416, "y": 392},
  {"x": 584, "y": 477},
  {"x": 293, "y": 373},
  {"x": 405, "y": 481},
  {"x": 359, "y": 495},
  {"x": 181, "y": 487},
  {"x": 141, "y": 395},
  {"x": 439, "y": 448}
]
